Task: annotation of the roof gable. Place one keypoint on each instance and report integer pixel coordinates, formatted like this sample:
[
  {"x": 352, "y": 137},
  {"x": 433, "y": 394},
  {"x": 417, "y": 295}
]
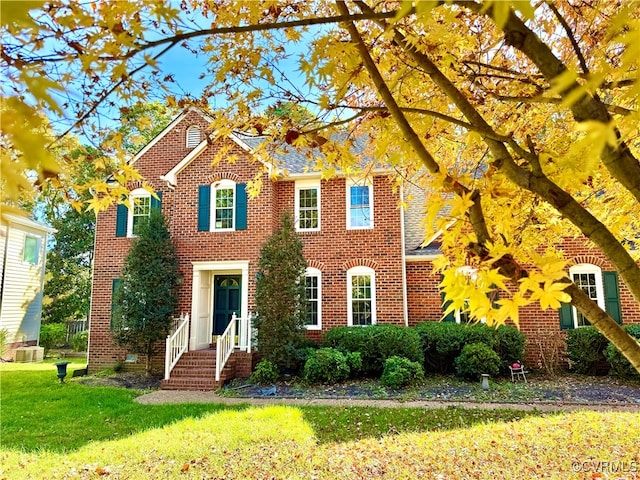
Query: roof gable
[{"x": 179, "y": 118}]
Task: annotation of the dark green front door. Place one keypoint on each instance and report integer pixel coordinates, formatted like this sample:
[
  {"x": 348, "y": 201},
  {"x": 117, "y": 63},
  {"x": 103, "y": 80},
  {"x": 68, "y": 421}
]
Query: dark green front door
[{"x": 226, "y": 298}]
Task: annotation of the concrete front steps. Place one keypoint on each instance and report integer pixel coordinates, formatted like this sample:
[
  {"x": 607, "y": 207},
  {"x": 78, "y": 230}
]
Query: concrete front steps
[{"x": 196, "y": 370}]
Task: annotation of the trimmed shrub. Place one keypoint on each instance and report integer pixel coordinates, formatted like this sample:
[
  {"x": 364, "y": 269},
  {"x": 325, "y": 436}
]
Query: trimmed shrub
[
  {"x": 265, "y": 373},
  {"x": 376, "y": 343},
  {"x": 52, "y": 335},
  {"x": 354, "y": 360},
  {"x": 80, "y": 341},
  {"x": 479, "y": 333},
  {"x": 620, "y": 366},
  {"x": 476, "y": 359},
  {"x": 509, "y": 345},
  {"x": 326, "y": 365},
  {"x": 442, "y": 342},
  {"x": 399, "y": 372},
  {"x": 585, "y": 349}
]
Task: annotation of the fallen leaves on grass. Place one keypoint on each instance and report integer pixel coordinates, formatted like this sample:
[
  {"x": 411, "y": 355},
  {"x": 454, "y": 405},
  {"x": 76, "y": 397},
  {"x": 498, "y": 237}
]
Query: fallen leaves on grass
[{"x": 275, "y": 442}]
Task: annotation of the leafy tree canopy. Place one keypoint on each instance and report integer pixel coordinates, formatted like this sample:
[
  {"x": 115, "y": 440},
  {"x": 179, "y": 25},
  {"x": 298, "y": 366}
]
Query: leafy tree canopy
[{"x": 521, "y": 117}]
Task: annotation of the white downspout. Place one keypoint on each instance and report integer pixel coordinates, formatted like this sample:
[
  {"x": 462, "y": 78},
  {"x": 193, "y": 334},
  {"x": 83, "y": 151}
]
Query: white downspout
[{"x": 404, "y": 261}]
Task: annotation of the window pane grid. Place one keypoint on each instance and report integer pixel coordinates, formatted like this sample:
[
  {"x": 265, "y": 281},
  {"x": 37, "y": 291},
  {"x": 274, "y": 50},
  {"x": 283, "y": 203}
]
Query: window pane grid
[
  {"x": 361, "y": 300},
  {"x": 224, "y": 208},
  {"x": 587, "y": 283},
  {"x": 361, "y": 310},
  {"x": 141, "y": 212},
  {"x": 311, "y": 283},
  {"x": 308, "y": 206}
]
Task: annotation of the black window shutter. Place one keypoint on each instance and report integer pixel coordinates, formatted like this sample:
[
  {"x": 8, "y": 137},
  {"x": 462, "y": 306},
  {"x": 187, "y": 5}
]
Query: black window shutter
[
  {"x": 122, "y": 214},
  {"x": 566, "y": 316},
  {"x": 612, "y": 295},
  {"x": 241, "y": 206},
  {"x": 204, "y": 207},
  {"x": 156, "y": 202}
]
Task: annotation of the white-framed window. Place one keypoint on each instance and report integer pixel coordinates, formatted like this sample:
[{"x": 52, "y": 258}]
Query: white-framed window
[
  {"x": 31, "y": 250},
  {"x": 588, "y": 278},
  {"x": 313, "y": 283},
  {"x": 307, "y": 205},
  {"x": 139, "y": 211},
  {"x": 361, "y": 296},
  {"x": 359, "y": 205},
  {"x": 193, "y": 136},
  {"x": 223, "y": 203}
]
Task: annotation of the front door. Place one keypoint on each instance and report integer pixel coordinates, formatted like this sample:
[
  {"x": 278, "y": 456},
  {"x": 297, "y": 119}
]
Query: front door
[{"x": 226, "y": 299}]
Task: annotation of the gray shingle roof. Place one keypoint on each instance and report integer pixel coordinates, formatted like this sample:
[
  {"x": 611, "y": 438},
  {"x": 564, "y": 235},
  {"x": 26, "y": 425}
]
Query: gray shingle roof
[{"x": 296, "y": 161}]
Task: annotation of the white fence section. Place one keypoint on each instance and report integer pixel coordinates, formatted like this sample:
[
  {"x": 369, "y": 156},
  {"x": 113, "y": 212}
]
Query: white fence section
[
  {"x": 177, "y": 344},
  {"x": 228, "y": 341}
]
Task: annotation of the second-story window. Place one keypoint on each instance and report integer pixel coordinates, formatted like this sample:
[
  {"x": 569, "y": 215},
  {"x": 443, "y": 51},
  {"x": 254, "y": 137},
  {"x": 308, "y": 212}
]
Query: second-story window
[
  {"x": 139, "y": 211},
  {"x": 359, "y": 205},
  {"x": 307, "y": 205},
  {"x": 222, "y": 206},
  {"x": 223, "y": 201}
]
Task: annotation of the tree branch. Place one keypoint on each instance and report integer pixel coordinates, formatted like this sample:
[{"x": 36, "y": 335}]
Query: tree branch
[
  {"x": 476, "y": 216},
  {"x": 570, "y": 36},
  {"x": 620, "y": 162},
  {"x": 556, "y": 101},
  {"x": 105, "y": 95}
]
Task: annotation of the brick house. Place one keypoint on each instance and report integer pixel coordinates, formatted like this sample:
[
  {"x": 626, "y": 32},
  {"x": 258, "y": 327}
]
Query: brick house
[{"x": 365, "y": 261}]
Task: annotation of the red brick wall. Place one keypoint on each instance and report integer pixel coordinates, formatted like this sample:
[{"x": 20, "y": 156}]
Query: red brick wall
[
  {"x": 423, "y": 296},
  {"x": 540, "y": 327},
  {"x": 333, "y": 250}
]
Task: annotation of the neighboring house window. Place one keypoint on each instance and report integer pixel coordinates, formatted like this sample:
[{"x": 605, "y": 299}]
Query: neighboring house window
[
  {"x": 307, "y": 205},
  {"x": 361, "y": 293},
  {"x": 359, "y": 205},
  {"x": 600, "y": 286},
  {"x": 129, "y": 219},
  {"x": 31, "y": 250},
  {"x": 193, "y": 136},
  {"x": 313, "y": 282},
  {"x": 222, "y": 206},
  {"x": 223, "y": 201}
]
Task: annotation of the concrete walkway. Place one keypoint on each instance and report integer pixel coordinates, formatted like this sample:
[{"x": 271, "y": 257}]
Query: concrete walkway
[{"x": 176, "y": 396}]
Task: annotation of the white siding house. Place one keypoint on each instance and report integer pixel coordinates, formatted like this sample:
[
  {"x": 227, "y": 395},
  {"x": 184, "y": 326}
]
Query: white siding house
[{"x": 22, "y": 264}]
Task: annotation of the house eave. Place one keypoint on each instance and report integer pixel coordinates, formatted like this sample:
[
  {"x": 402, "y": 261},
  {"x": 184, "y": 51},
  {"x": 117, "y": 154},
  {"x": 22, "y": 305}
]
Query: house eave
[
  {"x": 10, "y": 218},
  {"x": 422, "y": 258}
]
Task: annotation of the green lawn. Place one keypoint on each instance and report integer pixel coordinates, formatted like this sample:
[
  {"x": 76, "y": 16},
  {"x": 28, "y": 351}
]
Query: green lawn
[{"x": 53, "y": 430}]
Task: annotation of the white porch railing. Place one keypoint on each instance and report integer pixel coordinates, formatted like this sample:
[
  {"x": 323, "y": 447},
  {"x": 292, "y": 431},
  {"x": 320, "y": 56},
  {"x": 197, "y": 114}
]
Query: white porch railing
[
  {"x": 228, "y": 341},
  {"x": 177, "y": 344}
]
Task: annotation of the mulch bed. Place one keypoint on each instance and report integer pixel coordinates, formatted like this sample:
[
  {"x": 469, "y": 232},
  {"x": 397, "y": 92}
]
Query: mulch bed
[{"x": 565, "y": 388}]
